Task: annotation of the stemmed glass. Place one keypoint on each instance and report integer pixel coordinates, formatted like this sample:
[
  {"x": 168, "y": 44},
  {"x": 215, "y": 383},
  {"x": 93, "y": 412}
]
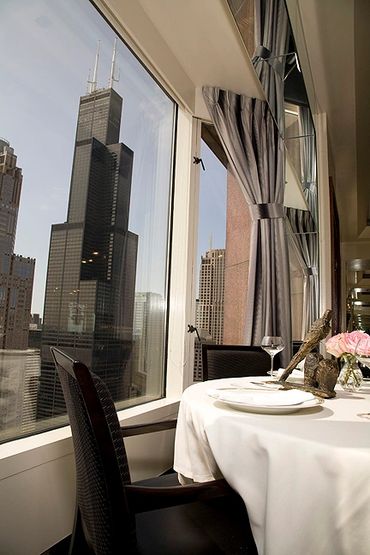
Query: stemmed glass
[{"x": 272, "y": 344}]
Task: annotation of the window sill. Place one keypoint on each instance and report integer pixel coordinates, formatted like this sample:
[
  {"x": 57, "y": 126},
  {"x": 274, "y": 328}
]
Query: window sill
[{"x": 25, "y": 453}]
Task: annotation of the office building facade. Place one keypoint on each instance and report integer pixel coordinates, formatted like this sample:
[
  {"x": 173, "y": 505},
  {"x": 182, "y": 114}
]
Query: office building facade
[
  {"x": 148, "y": 348},
  {"x": 210, "y": 305},
  {"x": 16, "y": 271},
  {"x": 90, "y": 286},
  {"x": 210, "y": 308}
]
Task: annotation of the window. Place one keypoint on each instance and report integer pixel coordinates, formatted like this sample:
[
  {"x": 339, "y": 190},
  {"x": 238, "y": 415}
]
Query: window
[
  {"x": 223, "y": 251},
  {"x": 85, "y": 193}
]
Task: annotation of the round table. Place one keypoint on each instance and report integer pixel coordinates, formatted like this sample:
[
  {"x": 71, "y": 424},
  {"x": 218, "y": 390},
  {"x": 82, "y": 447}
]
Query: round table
[{"x": 304, "y": 477}]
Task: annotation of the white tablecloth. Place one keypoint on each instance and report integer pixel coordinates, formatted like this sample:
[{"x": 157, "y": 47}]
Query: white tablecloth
[{"x": 304, "y": 477}]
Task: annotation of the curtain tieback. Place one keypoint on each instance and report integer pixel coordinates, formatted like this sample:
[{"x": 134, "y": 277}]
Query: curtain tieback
[
  {"x": 308, "y": 184},
  {"x": 266, "y": 211},
  {"x": 263, "y": 53},
  {"x": 311, "y": 271}
]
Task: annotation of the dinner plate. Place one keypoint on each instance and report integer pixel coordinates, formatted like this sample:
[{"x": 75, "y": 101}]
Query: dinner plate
[{"x": 272, "y": 402}]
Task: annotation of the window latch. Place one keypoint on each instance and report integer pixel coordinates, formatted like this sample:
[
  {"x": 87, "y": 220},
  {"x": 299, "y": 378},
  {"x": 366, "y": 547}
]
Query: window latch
[
  {"x": 192, "y": 329},
  {"x": 197, "y": 160}
]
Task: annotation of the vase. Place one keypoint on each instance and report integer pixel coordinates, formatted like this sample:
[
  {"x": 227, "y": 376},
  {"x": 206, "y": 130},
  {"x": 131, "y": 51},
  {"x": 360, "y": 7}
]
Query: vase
[{"x": 350, "y": 376}]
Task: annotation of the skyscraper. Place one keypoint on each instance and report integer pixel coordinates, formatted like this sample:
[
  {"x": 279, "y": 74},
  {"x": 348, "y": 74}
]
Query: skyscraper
[
  {"x": 210, "y": 305},
  {"x": 90, "y": 286},
  {"x": 148, "y": 347},
  {"x": 16, "y": 271},
  {"x": 19, "y": 366},
  {"x": 210, "y": 308}
]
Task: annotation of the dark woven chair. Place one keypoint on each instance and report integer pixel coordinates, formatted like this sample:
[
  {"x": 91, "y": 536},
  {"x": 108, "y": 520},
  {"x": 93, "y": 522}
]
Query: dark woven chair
[
  {"x": 234, "y": 361},
  {"x": 150, "y": 517}
]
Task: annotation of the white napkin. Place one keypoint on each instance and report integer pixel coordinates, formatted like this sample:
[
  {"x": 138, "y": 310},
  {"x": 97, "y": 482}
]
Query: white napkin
[
  {"x": 266, "y": 382},
  {"x": 267, "y": 399},
  {"x": 296, "y": 373}
]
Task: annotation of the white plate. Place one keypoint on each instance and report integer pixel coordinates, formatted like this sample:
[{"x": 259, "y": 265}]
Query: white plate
[
  {"x": 271, "y": 402},
  {"x": 261, "y": 409}
]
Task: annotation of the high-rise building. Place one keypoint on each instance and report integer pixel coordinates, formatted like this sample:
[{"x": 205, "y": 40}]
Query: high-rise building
[
  {"x": 19, "y": 374},
  {"x": 19, "y": 366},
  {"x": 90, "y": 286},
  {"x": 210, "y": 305},
  {"x": 16, "y": 271},
  {"x": 210, "y": 308},
  {"x": 149, "y": 315}
]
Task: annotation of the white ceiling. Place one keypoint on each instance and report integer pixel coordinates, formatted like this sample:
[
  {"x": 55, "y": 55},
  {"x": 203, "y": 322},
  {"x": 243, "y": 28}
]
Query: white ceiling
[{"x": 190, "y": 43}]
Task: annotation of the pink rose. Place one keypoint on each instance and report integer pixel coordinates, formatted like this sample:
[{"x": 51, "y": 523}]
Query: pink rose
[
  {"x": 356, "y": 342},
  {"x": 336, "y": 345},
  {"x": 362, "y": 343}
]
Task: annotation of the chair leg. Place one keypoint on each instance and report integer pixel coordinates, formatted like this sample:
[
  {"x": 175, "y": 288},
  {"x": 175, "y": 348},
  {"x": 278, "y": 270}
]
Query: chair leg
[{"x": 78, "y": 545}]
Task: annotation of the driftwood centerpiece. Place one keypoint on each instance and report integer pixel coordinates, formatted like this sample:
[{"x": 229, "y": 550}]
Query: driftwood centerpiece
[{"x": 320, "y": 375}]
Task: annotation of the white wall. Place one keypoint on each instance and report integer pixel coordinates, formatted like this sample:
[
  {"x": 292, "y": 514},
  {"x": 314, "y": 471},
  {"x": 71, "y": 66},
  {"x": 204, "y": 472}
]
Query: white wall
[
  {"x": 320, "y": 121},
  {"x": 37, "y": 479}
]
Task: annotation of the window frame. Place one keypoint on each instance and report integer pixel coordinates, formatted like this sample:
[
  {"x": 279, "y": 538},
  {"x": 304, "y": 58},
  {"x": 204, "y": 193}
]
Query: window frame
[{"x": 25, "y": 463}]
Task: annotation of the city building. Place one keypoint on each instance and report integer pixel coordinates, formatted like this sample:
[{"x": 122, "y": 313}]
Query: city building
[
  {"x": 19, "y": 375},
  {"x": 16, "y": 271},
  {"x": 210, "y": 304},
  {"x": 148, "y": 344},
  {"x": 34, "y": 336},
  {"x": 210, "y": 307},
  {"x": 89, "y": 298},
  {"x": 35, "y": 322},
  {"x": 19, "y": 365}
]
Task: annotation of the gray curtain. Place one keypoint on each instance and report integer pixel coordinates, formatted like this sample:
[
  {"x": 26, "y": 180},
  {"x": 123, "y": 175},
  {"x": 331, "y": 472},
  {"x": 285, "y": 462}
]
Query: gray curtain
[
  {"x": 303, "y": 236},
  {"x": 308, "y": 159},
  {"x": 255, "y": 151},
  {"x": 271, "y": 33}
]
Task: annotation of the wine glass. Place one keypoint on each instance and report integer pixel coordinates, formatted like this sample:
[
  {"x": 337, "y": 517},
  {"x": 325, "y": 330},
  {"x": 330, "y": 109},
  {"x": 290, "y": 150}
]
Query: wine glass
[{"x": 272, "y": 344}]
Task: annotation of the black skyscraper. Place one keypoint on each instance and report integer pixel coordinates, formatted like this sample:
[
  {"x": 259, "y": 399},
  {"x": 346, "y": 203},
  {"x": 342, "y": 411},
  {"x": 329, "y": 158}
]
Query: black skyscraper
[{"x": 90, "y": 287}]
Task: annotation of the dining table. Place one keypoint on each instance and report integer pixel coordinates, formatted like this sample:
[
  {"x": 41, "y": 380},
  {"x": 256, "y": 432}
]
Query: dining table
[{"x": 302, "y": 470}]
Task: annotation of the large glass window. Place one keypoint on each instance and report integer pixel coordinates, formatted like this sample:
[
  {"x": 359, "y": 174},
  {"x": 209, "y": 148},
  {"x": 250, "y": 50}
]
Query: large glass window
[
  {"x": 223, "y": 252},
  {"x": 85, "y": 191}
]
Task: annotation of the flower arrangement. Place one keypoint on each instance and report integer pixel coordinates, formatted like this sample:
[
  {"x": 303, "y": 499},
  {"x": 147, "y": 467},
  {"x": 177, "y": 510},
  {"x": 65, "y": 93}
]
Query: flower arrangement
[
  {"x": 354, "y": 343},
  {"x": 349, "y": 346}
]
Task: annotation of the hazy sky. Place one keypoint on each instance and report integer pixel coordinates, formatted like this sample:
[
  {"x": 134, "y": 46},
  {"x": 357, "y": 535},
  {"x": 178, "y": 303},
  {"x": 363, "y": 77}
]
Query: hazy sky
[
  {"x": 212, "y": 203},
  {"x": 47, "y": 50}
]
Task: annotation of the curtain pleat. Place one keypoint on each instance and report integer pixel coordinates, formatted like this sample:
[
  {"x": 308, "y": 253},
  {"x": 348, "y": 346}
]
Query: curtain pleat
[
  {"x": 255, "y": 151},
  {"x": 271, "y": 31},
  {"x": 308, "y": 160},
  {"x": 304, "y": 239}
]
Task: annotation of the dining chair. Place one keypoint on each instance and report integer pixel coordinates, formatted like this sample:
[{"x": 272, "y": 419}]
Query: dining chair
[
  {"x": 234, "y": 361},
  {"x": 157, "y": 516}
]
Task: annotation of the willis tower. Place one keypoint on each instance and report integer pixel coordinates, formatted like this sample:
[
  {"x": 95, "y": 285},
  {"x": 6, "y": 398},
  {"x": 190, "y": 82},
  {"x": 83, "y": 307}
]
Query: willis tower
[{"x": 90, "y": 285}]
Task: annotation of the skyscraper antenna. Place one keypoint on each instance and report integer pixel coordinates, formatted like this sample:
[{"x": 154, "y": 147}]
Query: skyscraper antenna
[
  {"x": 113, "y": 78},
  {"x": 88, "y": 86},
  {"x": 93, "y": 84}
]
